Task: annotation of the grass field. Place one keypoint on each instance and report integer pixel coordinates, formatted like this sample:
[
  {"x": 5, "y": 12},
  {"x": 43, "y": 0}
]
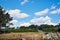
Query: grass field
[
  {"x": 23, "y": 36},
  {"x": 29, "y": 36}
]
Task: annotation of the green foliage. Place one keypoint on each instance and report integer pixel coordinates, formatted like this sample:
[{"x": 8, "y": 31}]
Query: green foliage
[
  {"x": 4, "y": 19},
  {"x": 49, "y": 28},
  {"x": 35, "y": 28},
  {"x": 24, "y": 29}
]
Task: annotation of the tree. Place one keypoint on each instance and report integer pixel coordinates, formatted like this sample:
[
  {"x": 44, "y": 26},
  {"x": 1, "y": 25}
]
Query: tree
[
  {"x": 58, "y": 30},
  {"x": 33, "y": 26},
  {"x": 59, "y": 24},
  {"x": 4, "y": 18}
]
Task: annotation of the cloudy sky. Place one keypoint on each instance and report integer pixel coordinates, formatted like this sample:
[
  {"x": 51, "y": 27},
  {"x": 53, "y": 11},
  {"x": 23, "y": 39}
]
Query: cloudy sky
[{"x": 27, "y": 12}]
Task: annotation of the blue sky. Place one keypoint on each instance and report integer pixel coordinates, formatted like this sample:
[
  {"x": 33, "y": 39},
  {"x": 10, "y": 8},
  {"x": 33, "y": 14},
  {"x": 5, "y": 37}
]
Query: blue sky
[{"x": 27, "y": 12}]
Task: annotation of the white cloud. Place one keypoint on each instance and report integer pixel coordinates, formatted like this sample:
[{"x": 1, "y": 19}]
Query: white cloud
[
  {"x": 53, "y": 7},
  {"x": 23, "y": 15},
  {"x": 43, "y": 12},
  {"x": 25, "y": 24},
  {"x": 17, "y": 13},
  {"x": 24, "y": 1},
  {"x": 14, "y": 21},
  {"x": 50, "y": 23},
  {"x": 42, "y": 20},
  {"x": 55, "y": 11}
]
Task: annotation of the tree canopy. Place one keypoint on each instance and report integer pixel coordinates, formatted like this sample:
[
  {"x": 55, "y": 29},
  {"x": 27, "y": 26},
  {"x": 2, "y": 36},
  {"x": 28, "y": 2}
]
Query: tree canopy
[{"x": 4, "y": 18}]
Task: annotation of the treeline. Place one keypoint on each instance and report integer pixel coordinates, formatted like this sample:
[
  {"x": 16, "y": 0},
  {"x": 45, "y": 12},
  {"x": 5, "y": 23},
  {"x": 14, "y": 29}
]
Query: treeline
[
  {"x": 24, "y": 29},
  {"x": 49, "y": 28},
  {"x": 36, "y": 28}
]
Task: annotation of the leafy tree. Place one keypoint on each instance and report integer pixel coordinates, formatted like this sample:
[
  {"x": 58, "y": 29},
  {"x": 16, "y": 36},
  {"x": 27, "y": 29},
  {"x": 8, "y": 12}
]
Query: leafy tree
[
  {"x": 59, "y": 24},
  {"x": 4, "y": 18},
  {"x": 58, "y": 30},
  {"x": 33, "y": 26}
]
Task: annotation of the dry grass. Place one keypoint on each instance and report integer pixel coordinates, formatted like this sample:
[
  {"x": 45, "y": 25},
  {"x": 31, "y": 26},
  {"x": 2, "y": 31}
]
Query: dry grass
[{"x": 24, "y": 36}]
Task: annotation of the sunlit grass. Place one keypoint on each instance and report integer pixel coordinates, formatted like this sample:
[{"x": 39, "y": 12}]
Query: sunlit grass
[{"x": 25, "y": 35}]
